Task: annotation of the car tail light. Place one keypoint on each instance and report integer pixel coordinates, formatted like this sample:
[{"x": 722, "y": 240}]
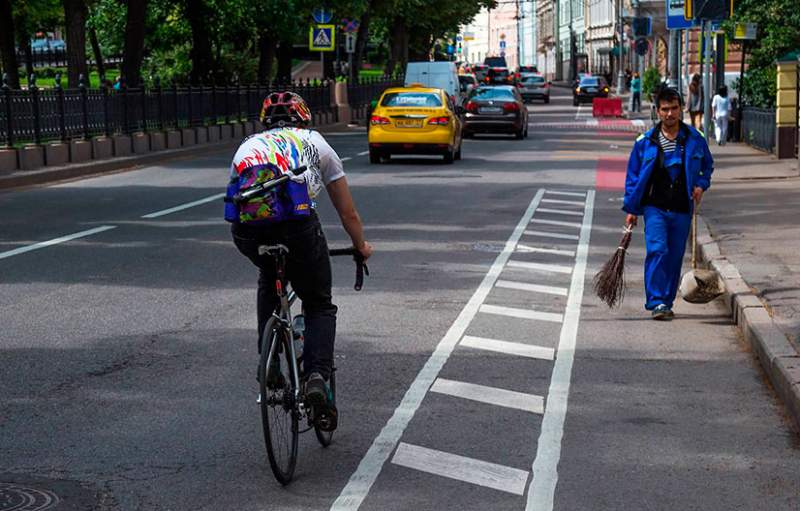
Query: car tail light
[
  {"x": 471, "y": 106},
  {"x": 520, "y": 86},
  {"x": 605, "y": 90},
  {"x": 379, "y": 120},
  {"x": 441, "y": 121},
  {"x": 517, "y": 75},
  {"x": 511, "y": 107},
  {"x": 545, "y": 85},
  {"x": 508, "y": 78},
  {"x": 487, "y": 78},
  {"x": 578, "y": 89},
  {"x": 453, "y": 97}
]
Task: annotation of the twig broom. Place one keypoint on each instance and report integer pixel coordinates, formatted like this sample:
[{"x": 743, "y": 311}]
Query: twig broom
[{"x": 609, "y": 283}]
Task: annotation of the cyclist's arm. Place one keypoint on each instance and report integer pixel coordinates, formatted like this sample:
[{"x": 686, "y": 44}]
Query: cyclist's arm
[{"x": 339, "y": 193}]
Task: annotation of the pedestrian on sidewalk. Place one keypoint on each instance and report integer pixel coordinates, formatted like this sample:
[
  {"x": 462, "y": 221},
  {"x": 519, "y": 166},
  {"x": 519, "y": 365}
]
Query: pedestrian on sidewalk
[
  {"x": 669, "y": 169},
  {"x": 721, "y": 113},
  {"x": 636, "y": 93},
  {"x": 695, "y": 103}
]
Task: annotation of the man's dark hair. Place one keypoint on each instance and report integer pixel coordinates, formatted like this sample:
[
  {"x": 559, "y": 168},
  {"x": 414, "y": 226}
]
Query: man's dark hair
[{"x": 668, "y": 96}]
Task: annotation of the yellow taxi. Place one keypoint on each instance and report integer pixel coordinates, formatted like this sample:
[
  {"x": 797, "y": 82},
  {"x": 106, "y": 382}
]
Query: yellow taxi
[{"x": 414, "y": 120}]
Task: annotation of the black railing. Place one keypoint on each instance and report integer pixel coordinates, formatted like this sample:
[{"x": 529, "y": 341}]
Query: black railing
[
  {"x": 38, "y": 115},
  {"x": 56, "y": 57},
  {"x": 362, "y": 92},
  {"x": 758, "y": 127}
]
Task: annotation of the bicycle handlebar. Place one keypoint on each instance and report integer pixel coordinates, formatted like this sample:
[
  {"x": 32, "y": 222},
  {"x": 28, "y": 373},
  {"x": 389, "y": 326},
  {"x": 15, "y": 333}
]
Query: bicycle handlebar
[
  {"x": 262, "y": 188},
  {"x": 361, "y": 267}
]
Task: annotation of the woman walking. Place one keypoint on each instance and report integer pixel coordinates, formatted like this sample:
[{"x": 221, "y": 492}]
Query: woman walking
[
  {"x": 721, "y": 112},
  {"x": 695, "y": 103},
  {"x": 636, "y": 93}
]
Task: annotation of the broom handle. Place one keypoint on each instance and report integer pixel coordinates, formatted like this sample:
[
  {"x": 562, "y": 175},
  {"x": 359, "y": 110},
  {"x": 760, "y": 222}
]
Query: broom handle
[{"x": 694, "y": 238}]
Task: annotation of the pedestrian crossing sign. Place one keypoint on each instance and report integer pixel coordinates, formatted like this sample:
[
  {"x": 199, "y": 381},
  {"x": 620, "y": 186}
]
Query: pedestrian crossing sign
[{"x": 322, "y": 38}]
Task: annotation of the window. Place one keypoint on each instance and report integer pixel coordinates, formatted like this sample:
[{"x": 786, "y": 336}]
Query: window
[
  {"x": 411, "y": 99},
  {"x": 500, "y": 93}
]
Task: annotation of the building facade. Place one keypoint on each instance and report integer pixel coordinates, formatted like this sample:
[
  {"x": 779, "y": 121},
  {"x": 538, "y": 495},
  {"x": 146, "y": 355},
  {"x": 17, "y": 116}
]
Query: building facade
[
  {"x": 600, "y": 37},
  {"x": 545, "y": 37}
]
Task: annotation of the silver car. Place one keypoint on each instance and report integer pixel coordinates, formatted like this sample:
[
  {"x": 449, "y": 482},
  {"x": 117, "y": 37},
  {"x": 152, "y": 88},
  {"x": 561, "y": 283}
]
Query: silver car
[{"x": 533, "y": 86}]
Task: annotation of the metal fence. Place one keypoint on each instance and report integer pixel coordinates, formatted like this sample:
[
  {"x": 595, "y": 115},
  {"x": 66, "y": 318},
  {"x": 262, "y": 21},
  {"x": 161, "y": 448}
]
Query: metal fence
[
  {"x": 363, "y": 91},
  {"x": 758, "y": 127},
  {"x": 56, "y": 57},
  {"x": 38, "y": 115}
]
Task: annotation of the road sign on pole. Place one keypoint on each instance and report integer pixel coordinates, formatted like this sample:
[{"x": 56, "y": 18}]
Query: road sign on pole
[
  {"x": 322, "y": 38},
  {"x": 675, "y": 18},
  {"x": 349, "y": 26},
  {"x": 746, "y": 31},
  {"x": 322, "y": 15},
  {"x": 502, "y": 44},
  {"x": 349, "y": 43}
]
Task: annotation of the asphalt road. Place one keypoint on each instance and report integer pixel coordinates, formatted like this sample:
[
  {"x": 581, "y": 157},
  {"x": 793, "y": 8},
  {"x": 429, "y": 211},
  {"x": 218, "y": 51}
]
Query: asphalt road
[{"x": 476, "y": 369}]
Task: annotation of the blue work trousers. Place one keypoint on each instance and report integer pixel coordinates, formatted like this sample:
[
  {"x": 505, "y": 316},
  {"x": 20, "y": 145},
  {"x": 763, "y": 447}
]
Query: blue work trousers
[{"x": 665, "y": 236}]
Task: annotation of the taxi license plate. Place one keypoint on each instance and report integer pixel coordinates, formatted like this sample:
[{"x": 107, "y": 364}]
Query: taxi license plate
[
  {"x": 491, "y": 110},
  {"x": 401, "y": 123}
]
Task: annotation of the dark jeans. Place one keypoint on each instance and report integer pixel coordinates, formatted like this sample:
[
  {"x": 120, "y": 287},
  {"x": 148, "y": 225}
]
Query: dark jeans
[
  {"x": 637, "y": 101},
  {"x": 308, "y": 268}
]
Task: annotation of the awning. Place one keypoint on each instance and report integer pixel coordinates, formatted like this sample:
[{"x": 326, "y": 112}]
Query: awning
[{"x": 615, "y": 51}]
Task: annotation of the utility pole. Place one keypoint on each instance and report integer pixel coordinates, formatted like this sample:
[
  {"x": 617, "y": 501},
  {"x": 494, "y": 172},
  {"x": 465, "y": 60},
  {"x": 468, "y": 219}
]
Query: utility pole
[
  {"x": 620, "y": 74},
  {"x": 674, "y": 49},
  {"x": 635, "y": 57},
  {"x": 707, "y": 77},
  {"x": 571, "y": 46},
  {"x": 557, "y": 36}
]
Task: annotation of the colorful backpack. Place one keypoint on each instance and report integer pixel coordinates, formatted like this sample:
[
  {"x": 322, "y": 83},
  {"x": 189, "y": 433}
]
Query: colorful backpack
[{"x": 284, "y": 202}]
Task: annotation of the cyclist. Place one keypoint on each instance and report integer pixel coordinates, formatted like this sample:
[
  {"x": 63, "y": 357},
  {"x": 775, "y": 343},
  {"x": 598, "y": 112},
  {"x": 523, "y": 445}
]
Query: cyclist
[{"x": 288, "y": 144}]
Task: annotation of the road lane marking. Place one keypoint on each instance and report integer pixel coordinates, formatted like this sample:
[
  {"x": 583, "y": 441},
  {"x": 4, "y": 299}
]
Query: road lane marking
[
  {"x": 553, "y": 268},
  {"x": 533, "y": 288},
  {"x": 363, "y": 153},
  {"x": 552, "y": 235},
  {"x": 184, "y": 206},
  {"x": 567, "y": 194},
  {"x": 638, "y": 123},
  {"x": 545, "y": 467},
  {"x": 346, "y": 158},
  {"x": 510, "y": 348},
  {"x": 55, "y": 241},
  {"x": 522, "y": 313},
  {"x": 490, "y": 395},
  {"x": 559, "y": 201},
  {"x": 370, "y": 466},
  {"x": 460, "y": 468},
  {"x": 525, "y": 248},
  {"x": 577, "y": 225},
  {"x": 559, "y": 211},
  {"x": 591, "y": 122}
]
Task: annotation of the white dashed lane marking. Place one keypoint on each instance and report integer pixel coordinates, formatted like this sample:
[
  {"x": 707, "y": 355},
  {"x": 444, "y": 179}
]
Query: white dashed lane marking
[
  {"x": 489, "y": 395},
  {"x": 56, "y": 241},
  {"x": 510, "y": 348}
]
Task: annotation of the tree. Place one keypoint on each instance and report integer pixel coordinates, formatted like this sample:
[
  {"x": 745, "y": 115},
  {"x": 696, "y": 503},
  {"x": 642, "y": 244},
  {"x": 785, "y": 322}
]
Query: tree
[
  {"x": 135, "y": 29},
  {"x": 7, "y": 50},
  {"x": 75, "y": 20}
]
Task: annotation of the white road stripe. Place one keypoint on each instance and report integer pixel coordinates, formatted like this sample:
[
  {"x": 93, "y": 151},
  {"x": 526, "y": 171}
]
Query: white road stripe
[
  {"x": 554, "y": 268},
  {"x": 367, "y": 472},
  {"x": 577, "y": 225},
  {"x": 490, "y": 395},
  {"x": 346, "y": 158},
  {"x": 568, "y": 194},
  {"x": 638, "y": 123},
  {"x": 534, "y": 288},
  {"x": 511, "y": 348},
  {"x": 559, "y": 201},
  {"x": 552, "y": 235},
  {"x": 362, "y": 153},
  {"x": 526, "y": 248},
  {"x": 460, "y": 468},
  {"x": 56, "y": 241},
  {"x": 522, "y": 313},
  {"x": 578, "y": 113},
  {"x": 559, "y": 211},
  {"x": 184, "y": 206},
  {"x": 592, "y": 122},
  {"x": 548, "y": 453}
]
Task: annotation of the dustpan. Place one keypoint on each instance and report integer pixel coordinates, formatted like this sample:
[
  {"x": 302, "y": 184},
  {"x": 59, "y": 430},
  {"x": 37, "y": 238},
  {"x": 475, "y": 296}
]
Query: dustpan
[{"x": 699, "y": 286}]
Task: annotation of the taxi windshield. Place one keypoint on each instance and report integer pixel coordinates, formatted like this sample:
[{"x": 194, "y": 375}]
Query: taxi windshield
[{"x": 412, "y": 99}]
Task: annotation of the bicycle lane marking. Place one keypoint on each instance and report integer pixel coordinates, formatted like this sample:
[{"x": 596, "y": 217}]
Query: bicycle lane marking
[
  {"x": 548, "y": 453},
  {"x": 371, "y": 465},
  {"x": 55, "y": 241}
]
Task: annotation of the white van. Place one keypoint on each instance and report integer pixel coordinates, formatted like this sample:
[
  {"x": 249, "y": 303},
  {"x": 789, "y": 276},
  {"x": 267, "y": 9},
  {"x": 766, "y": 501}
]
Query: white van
[{"x": 440, "y": 75}]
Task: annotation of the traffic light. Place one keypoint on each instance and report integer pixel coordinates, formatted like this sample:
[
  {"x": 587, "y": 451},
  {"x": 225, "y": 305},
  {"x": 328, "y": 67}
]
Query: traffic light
[{"x": 708, "y": 9}]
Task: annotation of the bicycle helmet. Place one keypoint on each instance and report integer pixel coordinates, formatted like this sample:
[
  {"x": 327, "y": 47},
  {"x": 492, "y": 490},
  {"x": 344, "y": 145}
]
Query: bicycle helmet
[{"x": 285, "y": 108}]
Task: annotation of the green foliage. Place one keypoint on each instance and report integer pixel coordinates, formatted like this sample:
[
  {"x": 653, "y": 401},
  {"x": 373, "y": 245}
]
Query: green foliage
[
  {"x": 168, "y": 64},
  {"x": 651, "y": 81}
]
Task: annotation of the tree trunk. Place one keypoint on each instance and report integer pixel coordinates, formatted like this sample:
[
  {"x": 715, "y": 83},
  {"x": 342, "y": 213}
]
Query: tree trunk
[
  {"x": 328, "y": 72},
  {"x": 201, "y": 53},
  {"x": 267, "y": 46},
  {"x": 133, "y": 52},
  {"x": 398, "y": 39},
  {"x": 361, "y": 41},
  {"x": 7, "y": 50},
  {"x": 98, "y": 55},
  {"x": 285, "y": 61},
  {"x": 75, "y": 20}
]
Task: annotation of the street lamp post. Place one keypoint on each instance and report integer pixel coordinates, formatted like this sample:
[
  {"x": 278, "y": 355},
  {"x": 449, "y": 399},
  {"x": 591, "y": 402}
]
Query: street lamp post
[{"x": 621, "y": 47}]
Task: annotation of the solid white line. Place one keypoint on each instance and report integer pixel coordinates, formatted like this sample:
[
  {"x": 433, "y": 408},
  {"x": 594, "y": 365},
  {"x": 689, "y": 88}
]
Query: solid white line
[
  {"x": 534, "y": 288},
  {"x": 511, "y": 348},
  {"x": 55, "y": 241},
  {"x": 552, "y": 235},
  {"x": 554, "y": 268},
  {"x": 362, "y": 153},
  {"x": 548, "y": 453},
  {"x": 559, "y": 201},
  {"x": 569, "y": 194},
  {"x": 526, "y": 248},
  {"x": 559, "y": 211},
  {"x": 522, "y": 313},
  {"x": 578, "y": 113},
  {"x": 460, "y": 468},
  {"x": 638, "y": 123},
  {"x": 592, "y": 122},
  {"x": 184, "y": 206},
  {"x": 577, "y": 225},
  {"x": 370, "y": 466},
  {"x": 346, "y": 158},
  {"x": 490, "y": 395}
]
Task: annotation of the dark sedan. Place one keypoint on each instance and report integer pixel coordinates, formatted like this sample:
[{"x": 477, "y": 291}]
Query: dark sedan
[
  {"x": 498, "y": 76},
  {"x": 588, "y": 88},
  {"x": 495, "y": 109}
]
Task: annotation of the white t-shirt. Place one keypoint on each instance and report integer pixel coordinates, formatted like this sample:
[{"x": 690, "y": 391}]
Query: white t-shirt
[
  {"x": 722, "y": 106},
  {"x": 290, "y": 148}
]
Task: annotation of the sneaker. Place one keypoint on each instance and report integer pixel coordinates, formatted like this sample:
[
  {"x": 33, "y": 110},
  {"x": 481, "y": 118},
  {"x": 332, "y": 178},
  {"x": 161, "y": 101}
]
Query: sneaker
[
  {"x": 660, "y": 312},
  {"x": 670, "y": 314},
  {"x": 318, "y": 394}
]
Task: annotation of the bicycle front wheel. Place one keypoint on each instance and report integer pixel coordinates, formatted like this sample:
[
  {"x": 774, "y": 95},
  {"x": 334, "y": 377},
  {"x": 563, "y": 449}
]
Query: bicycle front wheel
[{"x": 278, "y": 407}]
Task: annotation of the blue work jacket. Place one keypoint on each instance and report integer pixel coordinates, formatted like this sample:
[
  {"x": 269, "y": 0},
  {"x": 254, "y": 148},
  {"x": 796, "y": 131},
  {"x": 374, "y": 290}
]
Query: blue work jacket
[{"x": 698, "y": 165}]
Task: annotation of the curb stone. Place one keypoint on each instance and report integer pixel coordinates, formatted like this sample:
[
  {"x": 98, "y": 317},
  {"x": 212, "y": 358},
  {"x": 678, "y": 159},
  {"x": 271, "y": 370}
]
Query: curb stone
[{"x": 778, "y": 358}]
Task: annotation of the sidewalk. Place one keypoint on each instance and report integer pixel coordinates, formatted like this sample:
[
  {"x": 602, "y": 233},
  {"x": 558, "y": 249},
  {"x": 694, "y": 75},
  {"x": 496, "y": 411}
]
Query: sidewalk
[{"x": 752, "y": 213}]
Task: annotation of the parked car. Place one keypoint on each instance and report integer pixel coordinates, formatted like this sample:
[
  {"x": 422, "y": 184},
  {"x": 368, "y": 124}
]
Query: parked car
[
  {"x": 498, "y": 76},
  {"x": 415, "y": 120},
  {"x": 495, "y": 109},
  {"x": 533, "y": 86},
  {"x": 439, "y": 75},
  {"x": 588, "y": 88}
]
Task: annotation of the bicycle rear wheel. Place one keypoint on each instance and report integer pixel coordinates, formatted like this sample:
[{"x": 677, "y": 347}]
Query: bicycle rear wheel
[
  {"x": 323, "y": 436},
  {"x": 278, "y": 408}
]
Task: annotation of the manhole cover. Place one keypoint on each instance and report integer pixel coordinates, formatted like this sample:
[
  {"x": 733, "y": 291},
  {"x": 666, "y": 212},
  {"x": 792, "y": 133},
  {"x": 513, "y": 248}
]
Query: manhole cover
[{"x": 15, "y": 497}]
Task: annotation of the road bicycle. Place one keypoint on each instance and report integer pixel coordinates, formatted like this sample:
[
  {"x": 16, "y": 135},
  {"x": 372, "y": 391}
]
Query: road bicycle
[{"x": 282, "y": 395}]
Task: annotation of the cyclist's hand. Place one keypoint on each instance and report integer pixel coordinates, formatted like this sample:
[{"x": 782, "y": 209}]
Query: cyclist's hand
[{"x": 365, "y": 250}]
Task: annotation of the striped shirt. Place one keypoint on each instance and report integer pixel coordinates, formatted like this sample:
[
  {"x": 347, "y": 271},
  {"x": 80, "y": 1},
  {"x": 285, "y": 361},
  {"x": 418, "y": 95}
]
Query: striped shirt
[{"x": 667, "y": 145}]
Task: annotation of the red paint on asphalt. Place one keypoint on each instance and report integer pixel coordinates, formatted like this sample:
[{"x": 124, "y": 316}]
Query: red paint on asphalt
[{"x": 611, "y": 173}]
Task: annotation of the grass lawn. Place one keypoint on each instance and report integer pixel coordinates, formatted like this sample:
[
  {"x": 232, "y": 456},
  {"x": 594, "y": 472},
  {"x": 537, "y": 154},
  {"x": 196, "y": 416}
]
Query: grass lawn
[
  {"x": 94, "y": 80},
  {"x": 371, "y": 73}
]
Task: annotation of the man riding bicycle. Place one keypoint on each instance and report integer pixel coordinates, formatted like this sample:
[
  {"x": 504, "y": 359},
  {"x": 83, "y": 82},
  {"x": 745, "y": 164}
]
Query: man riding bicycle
[{"x": 287, "y": 144}]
